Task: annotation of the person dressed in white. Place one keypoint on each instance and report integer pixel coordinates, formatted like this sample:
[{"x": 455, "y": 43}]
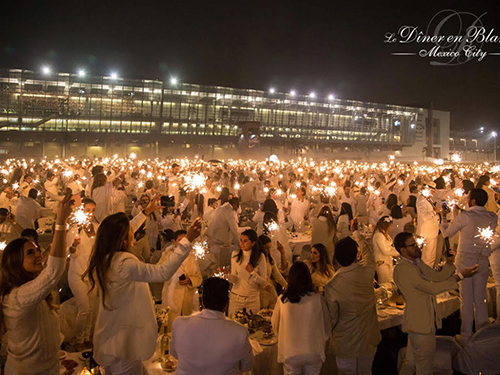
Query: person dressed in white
[
  {"x": 207, "y": 342},
  {"x": 351, "y": 303},
  {"x": 383, "y": 250},
  {"x": 398, "y": 221},
  {"x": 427, "y": 226},
  {"x": 52, "y": 191},
  {"x": 126, "y": 331},
  {"x": 81, "y": 240},
  {"x": 324, "y": 230},
  {"x": 223, "y": 229},
  {"x": 28, "y": 210},
  {"x": 419, "y": 285},
  {"x": 473, "y": 250},
  {"x": 301, "y": 322},
  {"x": 179, "y": 292},
  {"x": 248, "y": 274},
  {"x": 26, "y": 185},
  {"x": 268, "y": 295},
  {"x": 299, "y": 208},
  {"x": 29, "y": 317},
  {"x": 102, "y": 192}
]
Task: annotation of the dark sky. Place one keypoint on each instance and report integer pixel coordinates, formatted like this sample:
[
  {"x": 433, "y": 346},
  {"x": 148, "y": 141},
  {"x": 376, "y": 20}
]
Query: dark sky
[{"x": 327, "y": 46}]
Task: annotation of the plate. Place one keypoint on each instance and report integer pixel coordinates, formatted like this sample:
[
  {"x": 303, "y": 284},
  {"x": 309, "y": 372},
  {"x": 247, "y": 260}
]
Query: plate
[{"x": 259, "y": 337}]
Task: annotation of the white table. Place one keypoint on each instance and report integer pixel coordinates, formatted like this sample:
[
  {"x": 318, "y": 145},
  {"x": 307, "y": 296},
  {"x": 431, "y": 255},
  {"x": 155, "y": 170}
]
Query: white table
[{"x": 298, "y": 242}]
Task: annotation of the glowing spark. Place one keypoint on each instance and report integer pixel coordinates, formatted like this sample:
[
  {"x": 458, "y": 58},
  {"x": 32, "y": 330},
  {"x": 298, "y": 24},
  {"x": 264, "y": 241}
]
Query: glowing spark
[
  {"x": 133, "y": 156},
  {"x": 377, "y": 193},
  {"x": 237, "y": 186},
  {"x": 459, "y": 192},
  {"x": 15, "y": 186},
  {"x": 80, "y": 217},
  {"x": 67, "y": 173},
  {"x": 272, "y": 226},
  {"x": 486, "y": 234},
  {"x": 194, "y": 182},
  {"x": 3, "y": 245},
  {"x": 200, "y": 249},
  {"x": 266, "y": 190},
  {"x": 420, "y": 241}
]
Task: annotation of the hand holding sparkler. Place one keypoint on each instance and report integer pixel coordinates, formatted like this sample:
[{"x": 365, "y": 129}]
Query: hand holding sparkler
[{"x": 194, "y": 230}]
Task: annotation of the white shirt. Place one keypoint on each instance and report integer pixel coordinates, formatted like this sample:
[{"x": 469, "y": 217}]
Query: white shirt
[
  {"x": 298, "y": 210},
  {"x": 223, "y": 224},
  {"x": 245, "y": 283},
  {"x": 468, "y": 222},
  {"x": 302, "y": 328},
  {"x": 208, "y": 343},
  {"x": 127, "y": 327},
  {"x": 103, "y": 198},
  {"x": 427, "y": 218},
  {"x": 28, "y": 211},
  {"x": 383, "y": 248},
  {"x": 32, "y": 326}
]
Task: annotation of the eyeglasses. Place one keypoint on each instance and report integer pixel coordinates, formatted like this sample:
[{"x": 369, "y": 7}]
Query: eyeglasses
[{"x": 413, "y": 245}]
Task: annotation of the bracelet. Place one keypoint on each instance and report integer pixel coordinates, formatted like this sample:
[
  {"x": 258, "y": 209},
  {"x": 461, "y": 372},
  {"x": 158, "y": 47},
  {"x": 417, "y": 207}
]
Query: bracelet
[
  {"x": 460, "y": 276},
  {"x": 60, "y": 228}
]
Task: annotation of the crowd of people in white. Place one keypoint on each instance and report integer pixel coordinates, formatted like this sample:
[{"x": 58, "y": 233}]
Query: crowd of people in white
[{"x": 414, "y": 230}]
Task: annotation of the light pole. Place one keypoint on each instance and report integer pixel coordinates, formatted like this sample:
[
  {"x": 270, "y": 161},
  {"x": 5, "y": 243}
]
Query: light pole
[{"x": 494, "y": 134}]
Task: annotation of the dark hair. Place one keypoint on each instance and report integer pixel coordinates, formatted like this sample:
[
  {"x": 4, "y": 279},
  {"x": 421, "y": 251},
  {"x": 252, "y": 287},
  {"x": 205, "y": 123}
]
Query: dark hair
[
  {"x": 299, "y": 283},
  {"x": 396, "y": 212},
  {"x": 392, "y": 200},
  {"x": 482, "y": 180},
  {"x": 96, "y": 170},
  {"x": 324, "y": 262},
  {"x": 111, "y": 238},
  {"x": 440, "y": 183},
  {"x": 50, "y": 174},
  {"x": 400, "y": 240},
  {"x": 86, "y": 201},
  {"x": 100, "y": 180},
  {"x": 178, "y": 233},
  {"x": 270, "y": 206},
  {"x": 4, "y": 211},
  {"x": 382, "y": 225},
  {"x": 30, "y": 234},
  {"x": 234, "y": 200},
  {"x": 215, "y": 294},
  {"x": 363, "y": 190},
  {"x": 211, "y": 201},
  {"x": 224, "y": 195},
  {"x": 263, "y": 241},
  {"x": 168, "y": 235},
  {"x": 479, "y": 195},
  {"x": 33, "y": 193},
  {"x": 346, "y": 251},
  {"x": 175, "y": 165},
  {"x": 255, "y": 255},
  {"x": 12, "y": 273},
  {"x": 468, "y": 185},
  {"x": 413, "y": 202},
  {"x": 346, "y": 209}
]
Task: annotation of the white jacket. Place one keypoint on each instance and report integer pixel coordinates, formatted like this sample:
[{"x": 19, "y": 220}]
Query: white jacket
[
  {"x": 208, "y": 343},
  {"x": 427, "y": 218},
  {"x": 127, "y": 327},
  {"x": 383, "y": 248},
  {"x": 223, "y": 225}
]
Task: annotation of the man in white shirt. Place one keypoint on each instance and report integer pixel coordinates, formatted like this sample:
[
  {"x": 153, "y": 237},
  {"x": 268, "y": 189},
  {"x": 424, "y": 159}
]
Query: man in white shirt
[
  {"x": 351, "y": 302},
  {"x": 428, "y": 225},
  {"x": 7, "y": 198},
  {"x": 28, "y": 210},
  {"x": 209, "y": 343},
  {"x": 26, "y": 186},
  {"x": 472, "y": 249},
  {"x": 419, "y": 285},
  {"x": 223, "y": 229}
]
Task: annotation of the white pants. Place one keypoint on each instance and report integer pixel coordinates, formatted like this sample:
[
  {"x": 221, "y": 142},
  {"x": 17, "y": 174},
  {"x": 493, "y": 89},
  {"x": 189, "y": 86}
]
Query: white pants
[
  {"x": 385, "y": 273},
  {"x": 473, "y": 293},
  {"x": 355, "y": 365},
  {"x": 237, "y": 302},
  {"x": 125, "y": 367},
  {"x": 419, "y": 354},
  {"x": 85, "y": 303},
  {"x": 268, "y": 299},
  {"x": 495, "y": 269},
  {"x": 429, "y": 251},
  {"x": 303, "y": 365}
]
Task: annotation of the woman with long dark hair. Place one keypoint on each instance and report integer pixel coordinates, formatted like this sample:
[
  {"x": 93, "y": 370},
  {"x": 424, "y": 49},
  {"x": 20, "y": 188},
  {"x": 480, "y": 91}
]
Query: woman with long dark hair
[
  {"x": 29, "y": 317},
  {"x": 344, "y": 221},
  {"x": 248, "y": 274},
  {"x": 268, "y": 295},
  {"x": 324, "y": 229},
  {"x": 126, "y": 331},
  {"x": 302, "y": 324},
  {"x": 320, "y": 267},
  {"x": 384, "y": 250},
  {"x": 102, "y": 192}
]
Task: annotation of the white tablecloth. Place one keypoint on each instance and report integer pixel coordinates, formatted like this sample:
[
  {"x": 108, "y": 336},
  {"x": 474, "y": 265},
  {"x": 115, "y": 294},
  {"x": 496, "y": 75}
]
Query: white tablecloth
[{"x": 298, "y": 242}]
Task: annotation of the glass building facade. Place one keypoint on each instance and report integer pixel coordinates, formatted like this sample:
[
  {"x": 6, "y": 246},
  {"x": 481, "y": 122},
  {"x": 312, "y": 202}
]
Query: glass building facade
[{"x": 62, "y": 102}]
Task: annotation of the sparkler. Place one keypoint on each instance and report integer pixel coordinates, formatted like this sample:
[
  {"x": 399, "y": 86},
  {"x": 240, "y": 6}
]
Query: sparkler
[
  {"x": 458, "y": 192},
  {"x": 80, "y": 217},
  {"x": 486, "y": 234},
  {"x": 426, "y": 192},
  {"x": 3, "y": 245},
  {"x": 272, "y": 226},
  {"x": 420, "y": 241},
  {"x": 222, "y": 272},
  {"x": 200, "y": 249},
  {"x": 195, "y": 181}
]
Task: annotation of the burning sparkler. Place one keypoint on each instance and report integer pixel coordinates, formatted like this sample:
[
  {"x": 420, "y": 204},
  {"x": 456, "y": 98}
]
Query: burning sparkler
[
  {"x": 200, "y": 249},
  {"x": 195, "y": 181},
  {"x": 486, "y": 234},
  {"x": 80, "y": 218},
  {"x": 272, "y": 226},
  {"x": 3, "y": 245}
]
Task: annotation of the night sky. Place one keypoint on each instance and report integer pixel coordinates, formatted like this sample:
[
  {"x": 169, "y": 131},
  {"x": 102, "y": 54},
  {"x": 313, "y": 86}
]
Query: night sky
[{"x": 322, "y": 46}]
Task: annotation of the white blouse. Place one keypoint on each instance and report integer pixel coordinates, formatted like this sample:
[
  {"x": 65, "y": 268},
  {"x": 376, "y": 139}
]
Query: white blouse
[
  {"x": 383, "y": 248},
  {"x": 32, "y": 326},
  {"x": 245, "y": 283}
]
